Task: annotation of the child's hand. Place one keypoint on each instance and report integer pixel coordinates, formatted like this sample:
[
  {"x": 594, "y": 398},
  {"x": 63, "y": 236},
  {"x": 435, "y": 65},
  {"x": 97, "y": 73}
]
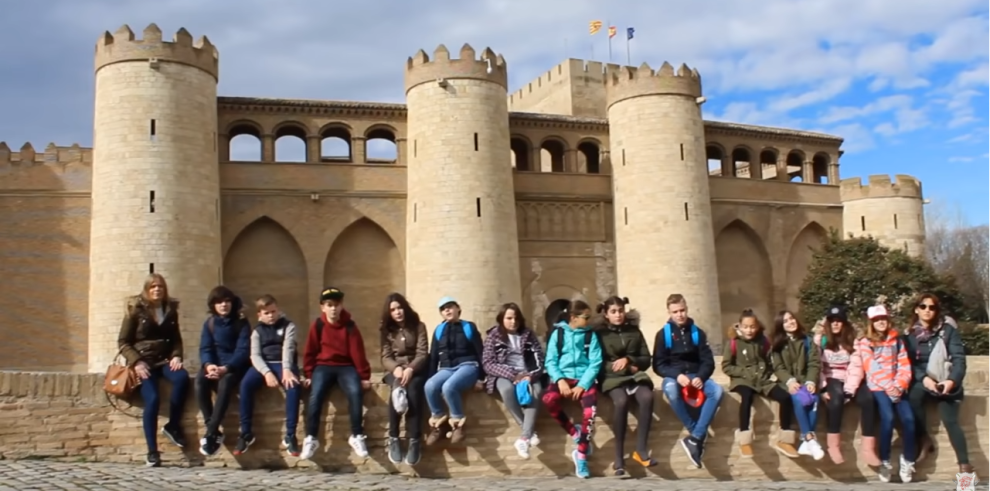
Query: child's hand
[
  {"x": 811, "y": 387},
  {"x": 289, "y": 379},
  {"x": 365, "y": 385},
  {"x": 271, "y": 380},
  {"x": 576, "y": 392},
  {"x": 565, "y": 388},
  {"x": 306, "y": 383},
  {"x": 793, "y": 387}
]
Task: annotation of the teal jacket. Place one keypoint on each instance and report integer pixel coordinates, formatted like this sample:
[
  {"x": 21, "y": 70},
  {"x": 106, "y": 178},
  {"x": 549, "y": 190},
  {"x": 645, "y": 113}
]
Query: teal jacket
[{"x": 573, "y": 362}]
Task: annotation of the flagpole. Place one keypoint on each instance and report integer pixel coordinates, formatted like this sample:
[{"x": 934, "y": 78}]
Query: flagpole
[
  {"x": 628, "y": 55},
  {"x": 608, "y": 32}
]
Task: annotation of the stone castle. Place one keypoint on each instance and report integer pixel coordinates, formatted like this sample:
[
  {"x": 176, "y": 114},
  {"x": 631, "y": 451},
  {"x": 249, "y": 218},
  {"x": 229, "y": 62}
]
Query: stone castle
[
  {"x": 589, "y": 181},
  {"x": 592, "y": 180}
]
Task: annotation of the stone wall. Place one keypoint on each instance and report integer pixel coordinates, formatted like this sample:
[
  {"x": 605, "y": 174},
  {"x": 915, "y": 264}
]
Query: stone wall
[{"x": 67, "y": 417}]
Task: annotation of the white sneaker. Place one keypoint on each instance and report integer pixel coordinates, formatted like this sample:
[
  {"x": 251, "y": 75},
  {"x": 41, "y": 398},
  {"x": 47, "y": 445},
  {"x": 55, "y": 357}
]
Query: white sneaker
[
  {"x": 804, "y": 449},
  {"x": 906, "y": 470},
  {"x": 310, "y": 444},
  {"x": 522, "y": 448},
  {"x": 534, "y": 441},
  {"x": 884, "y": 473},
  {"x": 357, "y": 443},
  {"x": 817, "y": 452}
]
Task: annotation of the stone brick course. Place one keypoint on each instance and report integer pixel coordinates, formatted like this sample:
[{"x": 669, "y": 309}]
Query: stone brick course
[{"x": 66, "y": 417}]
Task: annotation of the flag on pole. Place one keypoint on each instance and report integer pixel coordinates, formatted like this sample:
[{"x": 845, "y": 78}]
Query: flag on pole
[
  {"x": 629, "y": 33},
  {"x": 611, "y": 32},
  {"x": 594, "y": 26}
]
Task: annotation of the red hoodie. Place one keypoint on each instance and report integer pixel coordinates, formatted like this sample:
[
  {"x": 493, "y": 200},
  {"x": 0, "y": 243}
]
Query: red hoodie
[{"x": 339, "y": 346}]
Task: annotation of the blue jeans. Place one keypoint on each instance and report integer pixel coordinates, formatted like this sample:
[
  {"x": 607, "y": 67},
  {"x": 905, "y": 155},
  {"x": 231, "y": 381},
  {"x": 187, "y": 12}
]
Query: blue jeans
[
  {"x": 713, "y": 396},
  {"x": 324, "y": 378},
  {"x": 254, "y": 380},
  {"x": 450, "y": 383},
  {"x": 903, "y": 409},
  {"x": 807, "y": 416},
  {"x": 149, "y": 394}
]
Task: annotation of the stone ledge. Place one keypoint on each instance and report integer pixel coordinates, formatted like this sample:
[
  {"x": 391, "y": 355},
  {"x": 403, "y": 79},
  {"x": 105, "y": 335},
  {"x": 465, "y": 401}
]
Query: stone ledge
[{"x": 67, "y": 417}]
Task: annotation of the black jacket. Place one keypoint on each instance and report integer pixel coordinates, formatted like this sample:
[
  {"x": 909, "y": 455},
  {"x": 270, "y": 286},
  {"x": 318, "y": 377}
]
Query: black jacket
[{"x": 683, "y": 356}]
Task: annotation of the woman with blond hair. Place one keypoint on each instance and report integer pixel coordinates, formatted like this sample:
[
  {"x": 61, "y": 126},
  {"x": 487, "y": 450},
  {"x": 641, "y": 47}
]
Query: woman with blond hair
[{"x": 151, "y": 342}]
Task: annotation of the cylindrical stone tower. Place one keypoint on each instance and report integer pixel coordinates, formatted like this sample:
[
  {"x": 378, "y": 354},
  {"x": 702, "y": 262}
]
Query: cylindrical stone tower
[
  {"x": 663, "y": 213},
  {"x": 891, "y": 212},
  {"x": 461, "y": 235},
  {"x": 156, "y": 178}
]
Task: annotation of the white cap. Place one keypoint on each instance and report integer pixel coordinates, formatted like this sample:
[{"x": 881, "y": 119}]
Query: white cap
[{"x": 877, "y": 311}]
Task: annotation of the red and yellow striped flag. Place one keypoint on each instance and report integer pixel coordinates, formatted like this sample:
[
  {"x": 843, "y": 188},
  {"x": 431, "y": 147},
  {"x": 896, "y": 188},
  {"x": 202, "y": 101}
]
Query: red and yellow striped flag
[
  {"x": 611, "y": 32},
  {"x": 594, "y": 26}
]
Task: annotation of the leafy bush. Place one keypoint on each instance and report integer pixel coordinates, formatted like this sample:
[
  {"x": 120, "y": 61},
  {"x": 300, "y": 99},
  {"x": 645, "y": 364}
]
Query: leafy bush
[
  {"x": 976, "y": 339},
  {"x": 859, "y": 273}
]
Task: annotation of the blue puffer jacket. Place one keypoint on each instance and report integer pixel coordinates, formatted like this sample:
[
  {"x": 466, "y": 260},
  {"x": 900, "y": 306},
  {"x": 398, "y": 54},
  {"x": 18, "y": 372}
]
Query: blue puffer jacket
[
  {"x": 573, "y": 362},
  {"x": 229, "y": 342}
]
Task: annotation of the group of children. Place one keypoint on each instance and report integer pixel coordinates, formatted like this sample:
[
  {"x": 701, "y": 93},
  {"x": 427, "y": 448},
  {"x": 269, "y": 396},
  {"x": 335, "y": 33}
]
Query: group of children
[
  {"x": 885, "y": 372},
  {"x": 584, "y": 354}
]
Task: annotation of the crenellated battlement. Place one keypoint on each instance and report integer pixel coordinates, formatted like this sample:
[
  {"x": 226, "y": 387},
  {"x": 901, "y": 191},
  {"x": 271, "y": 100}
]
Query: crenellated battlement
[
  {"x": 880, "y": 186},
  {"x": 489, "y": 66},
  {"x": 628, "y": 82},
  {"x": 570, "y": 69},
  {"x": 121, "y": 46},
  {"x": 27, "y": 156}
]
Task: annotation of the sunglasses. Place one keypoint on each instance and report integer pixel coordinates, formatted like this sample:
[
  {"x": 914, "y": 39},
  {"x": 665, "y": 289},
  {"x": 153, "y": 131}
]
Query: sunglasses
[{"x": 927, "y": 306}]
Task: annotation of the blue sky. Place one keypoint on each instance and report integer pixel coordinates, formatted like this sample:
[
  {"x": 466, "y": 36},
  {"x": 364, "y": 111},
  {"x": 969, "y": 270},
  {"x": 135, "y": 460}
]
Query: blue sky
[{"x": 904, "y": 82}]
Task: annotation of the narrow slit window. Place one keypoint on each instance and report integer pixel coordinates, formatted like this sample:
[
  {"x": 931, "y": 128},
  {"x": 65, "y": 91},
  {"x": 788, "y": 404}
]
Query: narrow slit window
[
  {"x": 151, "y": 268},
  {"x": 686, "y": 217},
  {"x": 151, "y": 201},
  {"x": 154, "y": 129},
  {"x": 415, "y": 147},
  {"x": 682, "y": 152},
  {"x": 475, "y": 142},
  {"x": 477, "y": 206},
  {"x": 625, "y": 216},
  {"x": 895, "y": 221},
  {"x": 862, "y": 223},
  {"x": 415, "y": 212},
  {"x": 623, "y": 157}
]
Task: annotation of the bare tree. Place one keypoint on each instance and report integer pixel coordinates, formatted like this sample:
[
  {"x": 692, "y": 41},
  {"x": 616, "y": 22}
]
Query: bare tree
[{"x": 957, "y": 248}]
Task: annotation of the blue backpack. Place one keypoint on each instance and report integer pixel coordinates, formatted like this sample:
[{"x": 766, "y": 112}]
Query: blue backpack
[
  {"x": 667, "y": 337},
  {"x": 465, "y": 325}
]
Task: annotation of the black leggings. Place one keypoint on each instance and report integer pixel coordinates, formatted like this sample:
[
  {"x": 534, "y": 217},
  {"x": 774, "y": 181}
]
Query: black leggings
[
  {"x": 777, "y": 394},
  {"x": 620, "y": 399},
  {"x": 835, "y": 404},
  {"x": 948, "y": 410},
  {"x": 414, "y": 395}
]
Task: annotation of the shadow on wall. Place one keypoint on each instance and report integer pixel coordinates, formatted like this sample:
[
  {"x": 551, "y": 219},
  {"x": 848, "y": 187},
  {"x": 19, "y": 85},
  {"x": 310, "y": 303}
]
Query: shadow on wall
[{"x": 44, "y": 256}]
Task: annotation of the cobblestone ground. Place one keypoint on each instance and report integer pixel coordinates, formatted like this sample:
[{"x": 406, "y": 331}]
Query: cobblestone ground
[{"x": 42, "y": 475}]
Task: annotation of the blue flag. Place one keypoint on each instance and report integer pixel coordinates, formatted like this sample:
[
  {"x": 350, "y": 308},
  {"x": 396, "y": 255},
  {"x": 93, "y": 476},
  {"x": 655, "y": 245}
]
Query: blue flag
[{"x": 629, "y": 32}]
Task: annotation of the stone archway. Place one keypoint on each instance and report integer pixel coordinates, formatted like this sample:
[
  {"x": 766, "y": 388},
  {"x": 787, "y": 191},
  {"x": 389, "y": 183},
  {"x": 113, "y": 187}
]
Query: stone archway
[
  {"x": 265, "y": 258},
  {"x": 744, "y": 273},
  {"x": 366, "y": 264},
  {"x": 799, "y": 259}
]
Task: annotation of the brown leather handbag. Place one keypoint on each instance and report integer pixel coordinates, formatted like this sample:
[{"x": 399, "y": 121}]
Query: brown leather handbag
[{"x": 121, "y": 380}]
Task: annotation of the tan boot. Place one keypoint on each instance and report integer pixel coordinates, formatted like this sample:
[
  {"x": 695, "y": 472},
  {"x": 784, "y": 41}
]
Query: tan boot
[
  {"x": 436, "y": 429},
  {"x": 457, "y": 430},
  {"x": 785, "y": 444},
  {"x": 745, "y": 439},
  {"x": 834, "y": 451},
  {"x": 868, "y": 451}
]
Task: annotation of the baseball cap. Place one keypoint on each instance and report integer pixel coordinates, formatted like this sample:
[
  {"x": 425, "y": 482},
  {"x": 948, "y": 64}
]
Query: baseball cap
[
  {"x": 400, "y": 400},
  {"x": 693, "y": 396},
  {"x": 877, "y": 311},
  {"x": 446, "y": 300},
  {"x": 331, "y": 293},
  {"x": 836, "y": 312}
]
